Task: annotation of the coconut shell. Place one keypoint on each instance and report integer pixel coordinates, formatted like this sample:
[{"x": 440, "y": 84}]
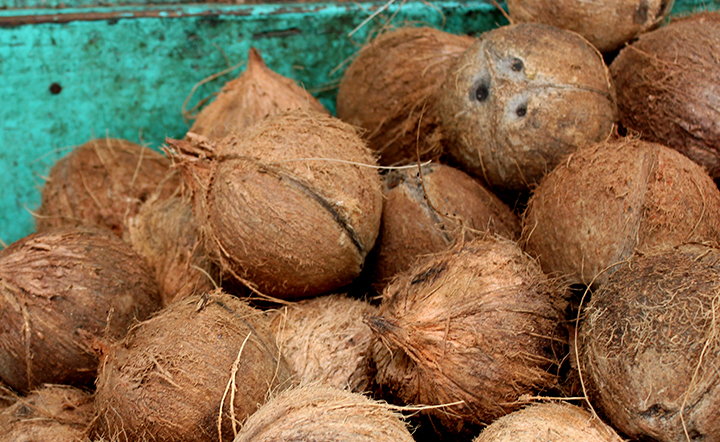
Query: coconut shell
[
  {"x": 611, "y": 199},
  {"x": 63, "y": 292},
  {"x": 201, "y": 362},
  {"x": 293, "y": 206},
  {"x": 321, "y": 413},
  {"x": 101, "y": 182},
  {"x": 650, "y": 348},
  {"x": 387, "y": 88},
  {"x": 474, "y": 324},
  {"x": 255, "y": 94},
  {"x": 667, "y": 89},
  {"x": 520, "y": 99}
]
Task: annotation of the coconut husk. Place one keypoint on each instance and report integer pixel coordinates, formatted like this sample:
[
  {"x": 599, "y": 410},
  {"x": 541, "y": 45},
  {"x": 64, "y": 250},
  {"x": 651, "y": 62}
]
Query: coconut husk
[
  {"x": 520, "y": 99},
  {"x": 666, "y": 89},
  {"x": 102, "y": 182},
  {"x": 292, "y": 207},
  {"x": 320, "y": 413},
  {"x": 62, "y": 293},
  {"x": 255, "y": 94},
  {"x": 469, "y": 331},
  {"x": 650, "y": 346},
  {"x": 611, "y": 199},
  {"x": 386, "y": 91}
]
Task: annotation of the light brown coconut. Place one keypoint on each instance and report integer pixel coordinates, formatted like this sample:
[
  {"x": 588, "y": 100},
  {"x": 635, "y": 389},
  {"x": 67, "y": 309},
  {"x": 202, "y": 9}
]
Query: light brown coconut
[
  {"x": 62, "y": 293},
  {"x": 387, "y": 88},
  {"x": 102, "y": 182},
  {"x": 191, "y": 373},
  {"x": 293, "y": 206},
  {"x": 319, "y": 413},
  {"x": 611, "y": 199},
  {"x": 650, "y": 345},
  {"x": 520, "y": 99},
  {"x": 255, "y": 94},
  {"x": 607, "y": 25},
  {"x": 474, "y": 324},
  {"x": 668, "y": 90}
]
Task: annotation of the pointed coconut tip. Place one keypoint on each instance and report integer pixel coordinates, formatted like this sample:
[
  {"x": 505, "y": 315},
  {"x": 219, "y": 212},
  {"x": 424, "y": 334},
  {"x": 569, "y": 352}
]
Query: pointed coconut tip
[{"x": 255, "y": 60}]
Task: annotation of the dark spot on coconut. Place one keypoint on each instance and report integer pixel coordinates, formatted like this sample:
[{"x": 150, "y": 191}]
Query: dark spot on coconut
[
  {"x": 55, "y": 88},
  {"x": 641, "y": 13},
  {"x": 656, "y": 411},
  {"x": 517, "y": 65},
  {"x": 695, "y": 435},
  {"x": 429, "y": 275},
  {"x": 392, "y": 180},
  {"x": 521, "y": 110},
  {"x": 482, "y": 92}
]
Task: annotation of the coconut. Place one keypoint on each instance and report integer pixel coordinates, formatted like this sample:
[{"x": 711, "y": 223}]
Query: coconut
[
  {"x": 650, "y": 347},
  {"x": 520, "y": 99},
  {"x": 321, "y": 413},
  {"x": 63, "y": 292},
  {"x": 191, "y": 373},
  {"x": 387, "y": 88},
  {"x": 469, "y": 331},
  {"x": 292, "y": 207},
  {"x": 255, "y": 94},
  {"x": 613, "y": 198},
  {"x": 607, "y": 25},
  {"x": 667, "y": 90}
]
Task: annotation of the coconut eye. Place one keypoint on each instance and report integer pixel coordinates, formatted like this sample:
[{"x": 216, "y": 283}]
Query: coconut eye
[
  {"x": 517, "y": 65},
  {"x": 482, "y": 92},
  {"x": 521, "y": 111}
]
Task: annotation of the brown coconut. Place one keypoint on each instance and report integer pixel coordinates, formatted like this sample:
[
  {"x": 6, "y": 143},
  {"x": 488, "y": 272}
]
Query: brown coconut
[
  {"x": 650, "y": 345},
  {"x": 62, "y": 293},
  {"x": 611, "y": 199},
  {"x": 520, "y": 99},
  {"x": 474, "y": 325},
  {"x": 255, "y": 94},
  {"x": 669, "y": 90},
  {"x": 190, "y": 373},
  {"x": 607, "y": 25},
  {"x": 292, "y": 207},
  {"x": 387, "y": 88},
  {"x": 320, "y": 413}
]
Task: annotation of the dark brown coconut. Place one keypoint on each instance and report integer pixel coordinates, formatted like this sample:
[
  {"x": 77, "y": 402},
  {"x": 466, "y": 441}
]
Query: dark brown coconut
[
  {"x": 255, "y": 94},
  {"x": 316, "y": 413},
  {"x": 476, "y": 325},
  {"x": 650, "y": 346},
  {"x": 386, "y": 90},
  {"x": 202, "y": 362},
  {"x": 62, "y": 292},
  {"x": 668, "y": 89},
  {"x": 608, "y": 200},
  {"x": 293, "y": 206},
  {"x": 607, "y": 25},
  {"x": 520, "y": 99}
]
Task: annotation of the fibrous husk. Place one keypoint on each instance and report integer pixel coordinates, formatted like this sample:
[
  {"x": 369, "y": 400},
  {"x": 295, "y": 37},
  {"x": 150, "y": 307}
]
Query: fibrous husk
[
  {"x": 102, "y": 182},
  {"x": 326, "y": 341},
  {"x": 293, "y": 206},
  {"x": 607, "y": 24},
  {"x": 62, "y": 293},
  {"x": 319, "y": 413},
  {"x": 650, "y": 345},
  {"x": 474, "y": 324},
  {"x": 387, "y": 88},
  {"x": 520, "y": 99},
  {"x": 610, "y": 199},
  {"x": 191, "y": 373},
  {"x": 668, "y": 90},
  {"x": 257, "y": 93}
]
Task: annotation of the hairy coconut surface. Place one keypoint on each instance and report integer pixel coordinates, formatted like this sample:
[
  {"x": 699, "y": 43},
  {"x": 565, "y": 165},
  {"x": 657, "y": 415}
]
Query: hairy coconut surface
[
  {"x": 610, "y": 199},
  {"x": 650, "y": 345},
  {"x": 326, "y": 341},
  {"x": 667, "y": 89},
  {"x": 607, "y": 25},
  {"x": 387, "y": 88},
  {"x": 293, "y": 206},
  {"x": 319, "y": 413},
  {"x": 520, "y": 99},
  {"x": 62, "y": 292},
  {"x": 474, "y": 324},
  {"x": 255, "y": 94},
  {"x": 190, "y": 373},
  {"x": 101, "y": 183}
]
